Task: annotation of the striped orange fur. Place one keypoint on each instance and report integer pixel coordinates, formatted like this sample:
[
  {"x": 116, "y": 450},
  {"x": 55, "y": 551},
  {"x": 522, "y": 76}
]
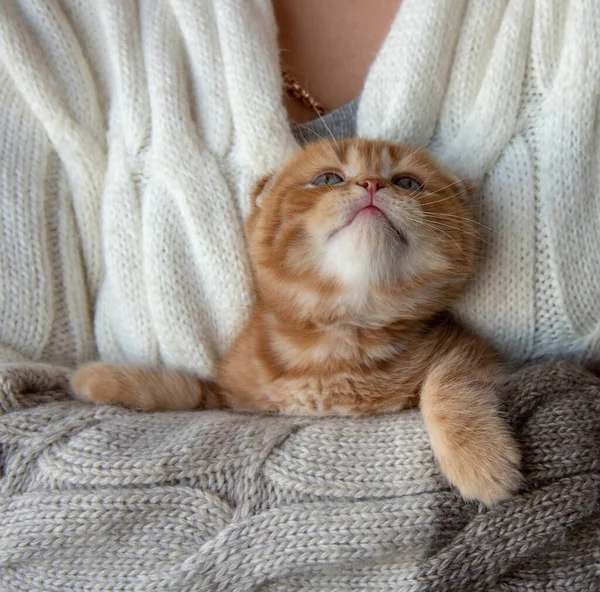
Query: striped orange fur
[{"x": 354, "y": 278}]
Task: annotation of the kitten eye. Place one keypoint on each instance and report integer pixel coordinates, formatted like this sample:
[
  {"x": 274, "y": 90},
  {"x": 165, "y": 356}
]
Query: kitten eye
[
  {"x": 408, "y": 183},
  {"x": 327, "y": 179}
]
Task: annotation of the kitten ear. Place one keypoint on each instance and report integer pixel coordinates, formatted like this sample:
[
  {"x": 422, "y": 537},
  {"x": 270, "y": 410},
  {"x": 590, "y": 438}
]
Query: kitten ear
[
  {"x": 467, "y": 189},
  {"x": 261, "y": 189}
]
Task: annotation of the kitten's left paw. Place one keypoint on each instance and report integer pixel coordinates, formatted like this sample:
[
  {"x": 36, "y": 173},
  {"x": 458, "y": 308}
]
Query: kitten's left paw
[
  {"x": 495, "y": 476},
  {"x": 485, "y": 469}
]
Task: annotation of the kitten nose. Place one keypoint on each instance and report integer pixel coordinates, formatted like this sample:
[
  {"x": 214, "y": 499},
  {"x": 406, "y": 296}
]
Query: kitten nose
[{"x": 371, "y": 184}]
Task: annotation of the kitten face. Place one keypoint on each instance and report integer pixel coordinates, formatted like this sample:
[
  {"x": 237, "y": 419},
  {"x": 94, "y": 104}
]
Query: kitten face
[{"x": 361, "y": 231}]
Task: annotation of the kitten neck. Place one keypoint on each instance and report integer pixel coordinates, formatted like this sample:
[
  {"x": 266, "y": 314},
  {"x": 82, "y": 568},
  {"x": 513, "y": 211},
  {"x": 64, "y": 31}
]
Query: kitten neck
[{"x": 337, "y": 346}]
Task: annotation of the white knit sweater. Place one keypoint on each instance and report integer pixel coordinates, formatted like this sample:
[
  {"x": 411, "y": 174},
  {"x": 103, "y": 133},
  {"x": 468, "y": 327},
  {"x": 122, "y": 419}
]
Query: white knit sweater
[{"x": 130, "y": 132}]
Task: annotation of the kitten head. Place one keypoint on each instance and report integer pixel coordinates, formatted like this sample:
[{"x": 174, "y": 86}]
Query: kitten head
[{"x": 360, "y": 231}]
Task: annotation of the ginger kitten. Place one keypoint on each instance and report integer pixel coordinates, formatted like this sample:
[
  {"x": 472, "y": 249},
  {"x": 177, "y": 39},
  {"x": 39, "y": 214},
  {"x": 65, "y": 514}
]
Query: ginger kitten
[{"x": 359, "y": 247}]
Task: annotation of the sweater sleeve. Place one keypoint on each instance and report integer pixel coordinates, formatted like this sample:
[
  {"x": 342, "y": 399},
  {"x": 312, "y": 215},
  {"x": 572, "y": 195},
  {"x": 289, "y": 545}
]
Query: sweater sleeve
[
  {"x": 177, "y": 280},
  {"x": 52, "y": 161},
  {"x": 124, "y": 174}
]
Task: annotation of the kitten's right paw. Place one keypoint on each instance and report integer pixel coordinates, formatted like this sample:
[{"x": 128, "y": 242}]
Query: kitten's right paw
[{"x": 98, "y": 383}]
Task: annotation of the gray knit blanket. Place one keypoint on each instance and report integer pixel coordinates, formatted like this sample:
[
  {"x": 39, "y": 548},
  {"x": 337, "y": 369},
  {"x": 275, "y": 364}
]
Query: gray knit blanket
[{"x": 102, "y": 498}]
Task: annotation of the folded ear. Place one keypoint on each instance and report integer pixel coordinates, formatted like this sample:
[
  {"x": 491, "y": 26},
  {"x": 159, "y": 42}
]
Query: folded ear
[
  {"x": 261, "y": 189},
  {"x": 467, "y": 189},
  {"x": 470, "y": 188}
]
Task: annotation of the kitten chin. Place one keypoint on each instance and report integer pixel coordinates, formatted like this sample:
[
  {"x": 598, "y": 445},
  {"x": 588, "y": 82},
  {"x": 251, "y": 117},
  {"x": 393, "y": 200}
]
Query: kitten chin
[
  {"x": 368, "y": 252},
  {"x": 359, "y": 247}
]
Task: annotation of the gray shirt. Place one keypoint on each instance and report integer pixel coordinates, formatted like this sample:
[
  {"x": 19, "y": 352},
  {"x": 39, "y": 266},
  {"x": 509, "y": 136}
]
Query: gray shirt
[{"x": 339, "y": 123}]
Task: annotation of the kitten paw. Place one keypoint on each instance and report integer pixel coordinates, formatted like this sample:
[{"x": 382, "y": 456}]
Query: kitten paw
[
  {"x": 486, "y": 471},
  {"x": 98, "y": 383},
  {"x": 141, "y": 388}
]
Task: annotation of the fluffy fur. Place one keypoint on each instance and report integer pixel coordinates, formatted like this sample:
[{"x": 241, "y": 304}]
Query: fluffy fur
[{"x": 353, "y": 281}]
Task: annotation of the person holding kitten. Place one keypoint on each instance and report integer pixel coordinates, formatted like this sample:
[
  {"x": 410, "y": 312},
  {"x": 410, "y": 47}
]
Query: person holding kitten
[
  {"x": 144, "y": 137},
  {"x": 118, "y": 252}
]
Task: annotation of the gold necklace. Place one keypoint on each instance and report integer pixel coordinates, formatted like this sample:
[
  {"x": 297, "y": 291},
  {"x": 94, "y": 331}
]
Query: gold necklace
[{"x": 295, "y": 91}]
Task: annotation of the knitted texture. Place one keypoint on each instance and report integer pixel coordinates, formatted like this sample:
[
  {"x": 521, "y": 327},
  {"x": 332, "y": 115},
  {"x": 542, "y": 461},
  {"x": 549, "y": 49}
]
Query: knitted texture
[
  {"x": 102, "y": 498},
  {"x": 131, "y": 131}
]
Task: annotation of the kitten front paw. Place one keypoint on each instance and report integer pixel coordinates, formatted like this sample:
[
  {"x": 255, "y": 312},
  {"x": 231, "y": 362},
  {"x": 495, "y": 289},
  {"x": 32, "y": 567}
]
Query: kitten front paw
[
  {"x": 484, "y": 469},
  {"x": 98, "y": 383}
]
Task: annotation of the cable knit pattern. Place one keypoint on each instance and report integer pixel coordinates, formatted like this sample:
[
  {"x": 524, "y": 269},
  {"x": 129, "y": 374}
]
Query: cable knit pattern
[
  {"x": 102, "y": 498},
  {"x": 131, "y": 131},
  {"x": 130, "y": 134}
]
